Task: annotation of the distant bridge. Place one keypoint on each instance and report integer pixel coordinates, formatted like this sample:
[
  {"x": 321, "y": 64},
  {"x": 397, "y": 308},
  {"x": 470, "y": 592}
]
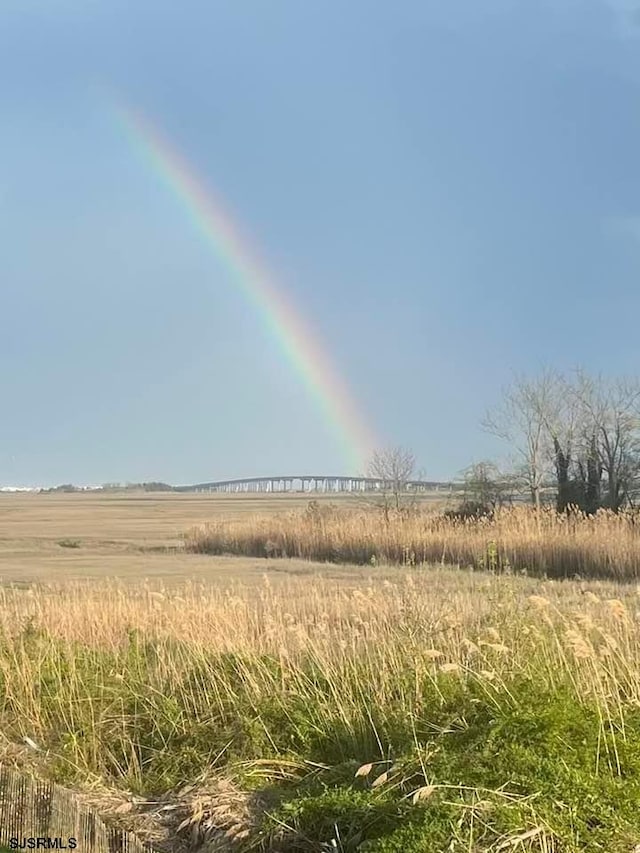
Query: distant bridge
[{"x": 314, "y": 483}]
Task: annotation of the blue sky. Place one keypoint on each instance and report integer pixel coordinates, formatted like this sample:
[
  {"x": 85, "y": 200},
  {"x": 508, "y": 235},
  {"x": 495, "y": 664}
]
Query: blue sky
[{"x": 450, "y": 192}]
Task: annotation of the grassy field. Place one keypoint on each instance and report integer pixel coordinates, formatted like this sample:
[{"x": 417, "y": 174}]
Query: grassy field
[
  {"x": 286, "y": 705},
  {"x": 55, "y": 537},
  {"x": 516, "y": 540}
]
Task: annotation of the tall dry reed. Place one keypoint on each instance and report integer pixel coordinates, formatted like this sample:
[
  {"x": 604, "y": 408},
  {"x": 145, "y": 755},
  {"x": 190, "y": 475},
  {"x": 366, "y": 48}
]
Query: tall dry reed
[
  {"x": 149, "y": 687},
  {"x": 518, "y": 539}
]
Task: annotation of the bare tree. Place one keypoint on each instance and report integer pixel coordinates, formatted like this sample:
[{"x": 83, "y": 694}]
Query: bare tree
[
  {"x": 564, "y": 423},
  {"x": 584, "y": 430},
  {"x": 611, "y": 425},
  {"x": 528, "y": 407},
  {"x": 395, "y": 466},
  {"x": 485, "y": 486}
]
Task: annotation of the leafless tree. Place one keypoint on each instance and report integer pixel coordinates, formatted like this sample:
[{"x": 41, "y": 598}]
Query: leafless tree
[
  {"x": 584, "y": 430},
  {"x": 486, "y": 486},
  {"x": 564, "y": 423},
  {"x": 395, "y": 466},
  {"x": 611, "y": 427},
  {"x": 528, "y": 408}
]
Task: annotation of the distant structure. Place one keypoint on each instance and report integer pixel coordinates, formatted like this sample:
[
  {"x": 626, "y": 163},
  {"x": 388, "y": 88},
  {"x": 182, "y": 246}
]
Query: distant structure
[
  {"x": 311, "y": 483},
  {"x": 295, "y": 483}
]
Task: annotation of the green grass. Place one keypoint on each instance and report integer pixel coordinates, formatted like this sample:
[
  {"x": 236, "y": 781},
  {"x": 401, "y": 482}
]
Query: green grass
[
  {"x": 446, "y": 712},
  {"x": 535, "y": 762},
  {"x": 503, "y": 761}
]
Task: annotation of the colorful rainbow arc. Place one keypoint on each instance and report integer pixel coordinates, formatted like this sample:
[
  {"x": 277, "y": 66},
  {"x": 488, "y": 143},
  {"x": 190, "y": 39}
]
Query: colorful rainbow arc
[{"x": 295, "y": 339}]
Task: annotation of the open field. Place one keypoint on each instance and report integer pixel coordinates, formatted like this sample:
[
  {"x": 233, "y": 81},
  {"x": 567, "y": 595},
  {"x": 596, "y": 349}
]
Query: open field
[
  {"x": 56, "y": 537},
  {"x": 286, "y": 705}
]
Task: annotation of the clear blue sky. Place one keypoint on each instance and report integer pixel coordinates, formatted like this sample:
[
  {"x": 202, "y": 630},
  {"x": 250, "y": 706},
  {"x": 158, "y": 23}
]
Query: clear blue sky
[{"x": 450, "y": 191}]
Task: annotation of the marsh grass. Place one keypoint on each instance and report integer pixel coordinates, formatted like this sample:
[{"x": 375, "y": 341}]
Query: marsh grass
[
  {"x": 606, "y": 545},
  {"x": 443, "y": 710}
]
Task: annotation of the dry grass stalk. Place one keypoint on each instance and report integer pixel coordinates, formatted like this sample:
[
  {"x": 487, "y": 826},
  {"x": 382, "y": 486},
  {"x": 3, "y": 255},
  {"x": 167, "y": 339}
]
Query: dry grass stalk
[{"x": 605, "y": 545}]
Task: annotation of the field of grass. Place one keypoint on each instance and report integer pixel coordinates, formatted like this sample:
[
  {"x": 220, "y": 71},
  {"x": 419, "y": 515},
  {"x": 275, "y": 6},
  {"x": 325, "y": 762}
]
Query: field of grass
[
  {"x": 296, "y": 706},
  {"x": 517, "y": 539},
  {"x": 55, "y": 537}
]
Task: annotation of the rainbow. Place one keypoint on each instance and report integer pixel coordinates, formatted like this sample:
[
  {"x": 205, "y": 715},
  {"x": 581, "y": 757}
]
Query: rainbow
[{"x": 299, "y": 346}]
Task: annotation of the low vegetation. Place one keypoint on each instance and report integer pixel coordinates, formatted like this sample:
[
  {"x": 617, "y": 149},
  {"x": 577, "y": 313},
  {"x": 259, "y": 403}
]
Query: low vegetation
[
  {"x": 517, "y": 539},
  {"x": 439, "y": 710}
]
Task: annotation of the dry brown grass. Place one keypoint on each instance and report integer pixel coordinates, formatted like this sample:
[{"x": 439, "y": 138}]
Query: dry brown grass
[
  {"x": 72, "y": 679},
  {"x": 419, "y": 611},
  {"x": 126, "y": 535},
  {"x": 284, "y": 676},
  {"x": 423, "y": 622},
  {"x": 606, "y": 545}
]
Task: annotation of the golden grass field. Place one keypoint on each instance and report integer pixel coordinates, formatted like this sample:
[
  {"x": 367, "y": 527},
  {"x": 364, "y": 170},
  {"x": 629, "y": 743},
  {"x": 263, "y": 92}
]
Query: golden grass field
[
  {"x": 285, "y": 705},
  {"x": 517, "y": 539},
  {"x": 125, "y": 535}
]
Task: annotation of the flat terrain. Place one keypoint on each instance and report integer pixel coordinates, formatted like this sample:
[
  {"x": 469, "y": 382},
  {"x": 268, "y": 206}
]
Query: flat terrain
[
  {"x": 58, "y": 537},
  {"x": 251, "y": 704}
]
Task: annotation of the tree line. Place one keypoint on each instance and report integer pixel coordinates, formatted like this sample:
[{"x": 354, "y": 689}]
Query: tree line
[
  {"x": 577, "y": 431},
  {"x": 576, "y": 436}
]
